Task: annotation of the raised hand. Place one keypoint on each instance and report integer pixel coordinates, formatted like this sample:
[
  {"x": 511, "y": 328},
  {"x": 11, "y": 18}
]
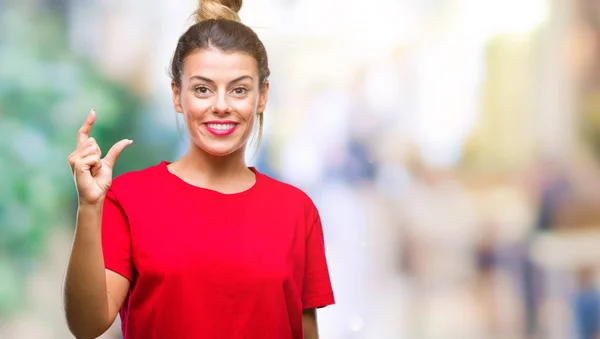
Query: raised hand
[{"x": 93, "y": 174}]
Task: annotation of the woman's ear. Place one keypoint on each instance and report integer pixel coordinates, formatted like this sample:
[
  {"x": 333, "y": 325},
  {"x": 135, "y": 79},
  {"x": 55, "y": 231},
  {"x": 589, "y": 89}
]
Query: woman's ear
[
  {"x": 176, "y": 97},
  {"x": 262, "y": 100}
]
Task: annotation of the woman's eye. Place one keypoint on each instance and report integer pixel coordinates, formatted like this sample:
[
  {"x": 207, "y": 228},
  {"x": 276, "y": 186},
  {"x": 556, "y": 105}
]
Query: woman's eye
[
  {"x": 239, "y": 91},
  {"x": 201, "y": 89}
]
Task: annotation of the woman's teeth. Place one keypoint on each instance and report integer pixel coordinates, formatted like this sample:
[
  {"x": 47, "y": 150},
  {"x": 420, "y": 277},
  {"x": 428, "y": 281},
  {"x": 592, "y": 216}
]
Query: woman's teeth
[{"x": 221, "y": 127}]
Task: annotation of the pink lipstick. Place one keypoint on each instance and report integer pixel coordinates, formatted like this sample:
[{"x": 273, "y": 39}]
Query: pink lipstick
[{"x": 221, "y": 128}]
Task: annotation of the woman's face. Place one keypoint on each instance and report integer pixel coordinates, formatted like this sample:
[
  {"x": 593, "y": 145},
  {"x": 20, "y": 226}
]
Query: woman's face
[{"x": 219, "y": 98}]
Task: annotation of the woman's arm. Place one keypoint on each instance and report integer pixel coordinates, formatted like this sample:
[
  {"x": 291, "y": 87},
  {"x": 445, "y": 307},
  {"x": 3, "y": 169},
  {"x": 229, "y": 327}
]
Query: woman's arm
[
  {"x": 309, "y": 322},
  {"x": 92, "y": 295}
]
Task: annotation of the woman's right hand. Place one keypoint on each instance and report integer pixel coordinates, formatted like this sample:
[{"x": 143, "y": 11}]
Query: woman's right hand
[{"x": 93, "y": 174}]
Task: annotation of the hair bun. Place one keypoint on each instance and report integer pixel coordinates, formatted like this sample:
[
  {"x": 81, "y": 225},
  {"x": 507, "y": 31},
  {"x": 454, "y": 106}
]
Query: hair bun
[{"x": 218, "y": 9}]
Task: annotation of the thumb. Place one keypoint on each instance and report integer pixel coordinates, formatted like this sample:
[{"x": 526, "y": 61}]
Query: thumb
[{"x": 113, "y": 153}]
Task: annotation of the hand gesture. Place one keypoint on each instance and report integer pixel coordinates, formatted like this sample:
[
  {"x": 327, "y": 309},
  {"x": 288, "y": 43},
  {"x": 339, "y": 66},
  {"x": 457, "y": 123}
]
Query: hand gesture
[{"x": 92, "y": 174}]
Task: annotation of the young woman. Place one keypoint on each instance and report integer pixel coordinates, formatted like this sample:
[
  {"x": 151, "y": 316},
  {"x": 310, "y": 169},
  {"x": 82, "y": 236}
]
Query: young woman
[{"x": 203, "y": 247}]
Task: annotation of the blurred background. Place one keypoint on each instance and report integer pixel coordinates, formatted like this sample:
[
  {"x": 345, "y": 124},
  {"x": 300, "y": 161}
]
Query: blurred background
[{"x": 452, "y": 147}]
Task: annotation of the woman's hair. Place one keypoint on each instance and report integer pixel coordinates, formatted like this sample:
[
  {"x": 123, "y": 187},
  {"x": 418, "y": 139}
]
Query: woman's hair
[{"x": 218, "y": 26}]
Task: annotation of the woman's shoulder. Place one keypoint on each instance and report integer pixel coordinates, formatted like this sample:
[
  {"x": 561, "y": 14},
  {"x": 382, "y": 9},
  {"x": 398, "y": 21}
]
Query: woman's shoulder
[
  {"x": 135, "y": 178},
  {"x": 286, "y": 192}
]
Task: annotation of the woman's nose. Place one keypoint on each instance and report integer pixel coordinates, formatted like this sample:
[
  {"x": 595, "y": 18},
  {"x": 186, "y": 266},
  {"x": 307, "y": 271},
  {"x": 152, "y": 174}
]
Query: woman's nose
[{"x": 221, "y": 106}]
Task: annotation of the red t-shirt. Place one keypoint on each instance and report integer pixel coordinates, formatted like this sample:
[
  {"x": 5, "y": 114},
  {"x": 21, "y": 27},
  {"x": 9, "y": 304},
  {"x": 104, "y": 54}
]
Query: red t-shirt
[{"x": 203, "y": 264}]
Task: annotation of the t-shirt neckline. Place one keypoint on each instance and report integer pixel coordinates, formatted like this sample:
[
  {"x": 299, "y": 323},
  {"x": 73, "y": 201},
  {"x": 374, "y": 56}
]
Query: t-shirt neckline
[{"x": 177, "y": 180}]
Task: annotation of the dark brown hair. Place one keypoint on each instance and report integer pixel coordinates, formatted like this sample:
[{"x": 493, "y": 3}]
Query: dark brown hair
[{"x": 218, "y": 26}]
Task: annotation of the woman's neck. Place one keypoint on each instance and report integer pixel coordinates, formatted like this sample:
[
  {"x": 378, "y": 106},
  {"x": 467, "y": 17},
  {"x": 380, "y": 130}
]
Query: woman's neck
[{"x": 207, "y": 170}]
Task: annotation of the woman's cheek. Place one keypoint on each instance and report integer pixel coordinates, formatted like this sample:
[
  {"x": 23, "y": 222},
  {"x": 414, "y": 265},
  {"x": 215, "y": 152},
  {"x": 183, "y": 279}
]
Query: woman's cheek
[
  {"x": 197, "y": 107},
  {"x": 247, "y": 108}
]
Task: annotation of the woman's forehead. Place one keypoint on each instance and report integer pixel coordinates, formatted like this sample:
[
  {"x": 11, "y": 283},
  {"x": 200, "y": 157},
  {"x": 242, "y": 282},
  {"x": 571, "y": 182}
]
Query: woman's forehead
[{"x": 217, "y": 65}]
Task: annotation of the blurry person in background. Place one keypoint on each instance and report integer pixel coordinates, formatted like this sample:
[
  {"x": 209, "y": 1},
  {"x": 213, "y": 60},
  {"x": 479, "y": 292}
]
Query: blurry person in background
[
  {"x": 486, "y": 266},
  {"x": 553, "y": 188},
  {"x": 586, "y": 305},
  {"x": 203, "y": 247}
]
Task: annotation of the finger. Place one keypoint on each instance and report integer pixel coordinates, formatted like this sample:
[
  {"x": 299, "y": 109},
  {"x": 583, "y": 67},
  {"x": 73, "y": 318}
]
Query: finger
[
  {"x": 88, "y": 147},
  {"x": 88, "y": 142},
  {"x": 96, "y": 166},
  {"x": 85, "y": 164},
  {"x": 113, "y": 153},
  {"x": 75, "y": 158},
  {"x": 84, "y": 131},
  {"x": 88, "y": 150},
  {"x": 71, "y": 159}
]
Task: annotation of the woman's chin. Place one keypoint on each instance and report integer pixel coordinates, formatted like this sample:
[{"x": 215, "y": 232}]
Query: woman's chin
[
  {"x": 218, "y": 147},
  {"x": 218, "y": 153},
  {"x": 219, "y": 150}
]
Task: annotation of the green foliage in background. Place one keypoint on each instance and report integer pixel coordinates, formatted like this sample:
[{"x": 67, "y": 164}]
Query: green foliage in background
[{"x": 46, "y": 92}]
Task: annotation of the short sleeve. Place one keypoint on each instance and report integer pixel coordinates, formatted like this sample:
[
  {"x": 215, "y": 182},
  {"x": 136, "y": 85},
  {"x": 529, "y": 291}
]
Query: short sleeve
[
  {"x": 116, "y": 237},
  {"x": 317, "y": 291}
]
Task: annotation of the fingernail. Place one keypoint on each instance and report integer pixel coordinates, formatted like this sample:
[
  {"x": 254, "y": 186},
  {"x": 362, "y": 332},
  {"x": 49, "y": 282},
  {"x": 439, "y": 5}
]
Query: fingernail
[
  {"x": 130, "y": 142},
  {"x": 89, "y": 117}
]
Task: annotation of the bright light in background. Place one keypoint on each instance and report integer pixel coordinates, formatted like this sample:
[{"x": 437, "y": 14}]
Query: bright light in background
[
  {"x": 506, "y": 17},
  {"x": 449, "y": 65},
  {"x": 264, "y": 16},
  {"x": 449, "y": 74},
  {"x": 380, "y": 27},
  {"x": 367, "y": 30},
  {"x": 516, "y": 16},
  {"x": 451, "y": 68},
  {"x": 356, "y": 324}
]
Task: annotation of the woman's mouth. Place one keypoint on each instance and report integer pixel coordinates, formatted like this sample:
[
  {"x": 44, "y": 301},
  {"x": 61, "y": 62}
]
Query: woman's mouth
[{"x": 221, "y": 128}]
